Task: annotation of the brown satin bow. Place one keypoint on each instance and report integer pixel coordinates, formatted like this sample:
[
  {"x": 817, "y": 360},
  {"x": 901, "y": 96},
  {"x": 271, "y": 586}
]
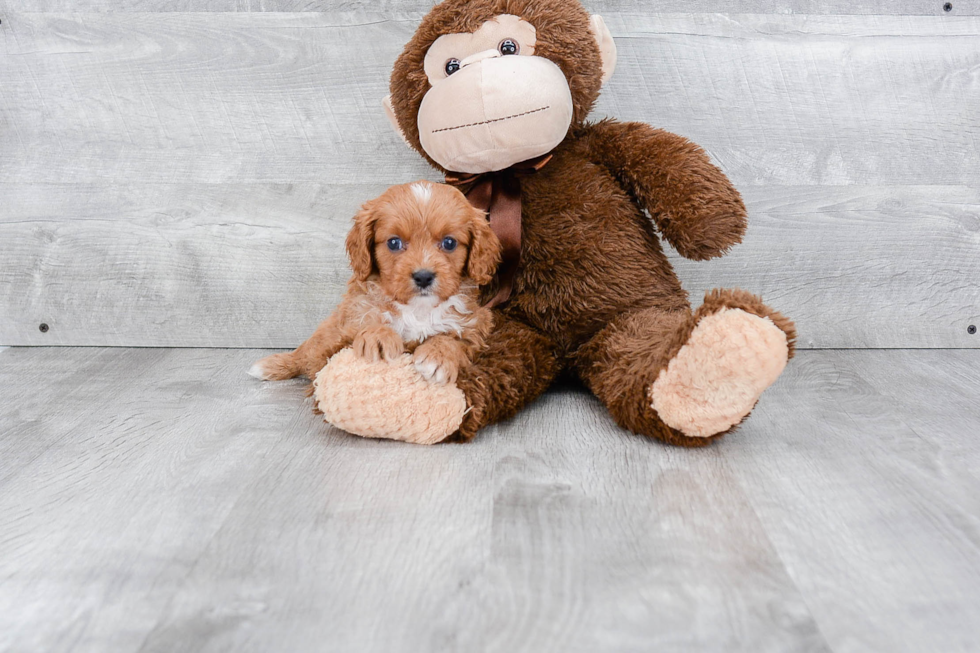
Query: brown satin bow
[{"x": 499, "y": 194}]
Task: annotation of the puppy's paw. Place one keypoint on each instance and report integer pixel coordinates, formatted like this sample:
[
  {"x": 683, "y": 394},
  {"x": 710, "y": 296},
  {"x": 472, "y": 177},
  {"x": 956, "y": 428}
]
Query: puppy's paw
[
  {"x": 438, "y": 360},
  {"x": 378, "y": 343},
  {"x": 275, "y": 368}
]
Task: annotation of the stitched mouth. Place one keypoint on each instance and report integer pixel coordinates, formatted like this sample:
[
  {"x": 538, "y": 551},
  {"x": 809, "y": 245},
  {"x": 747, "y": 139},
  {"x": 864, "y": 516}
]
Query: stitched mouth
[{"x": 487, "y": 122}]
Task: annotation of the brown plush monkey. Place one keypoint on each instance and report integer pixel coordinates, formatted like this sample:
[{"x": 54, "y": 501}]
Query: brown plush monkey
[{"x": 495, "y": 93}]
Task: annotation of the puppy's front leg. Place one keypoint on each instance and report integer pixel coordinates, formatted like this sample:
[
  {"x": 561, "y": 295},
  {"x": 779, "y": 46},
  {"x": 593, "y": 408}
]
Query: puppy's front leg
[
  {"x": 378, "y": 343},
  {"x": 440, "y": 358},
  {"x": 309, "y": 358}
]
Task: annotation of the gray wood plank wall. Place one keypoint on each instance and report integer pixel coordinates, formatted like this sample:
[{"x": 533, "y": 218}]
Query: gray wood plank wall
[
  {"x": 185, "y": 178},
  {"x": 844, "y": 7}
]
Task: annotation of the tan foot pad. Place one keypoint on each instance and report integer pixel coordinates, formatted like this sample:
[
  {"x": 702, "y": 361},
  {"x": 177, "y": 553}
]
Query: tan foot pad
[
  {"x": 386, "y": 400},
  {"x": 717, "y": 376}
]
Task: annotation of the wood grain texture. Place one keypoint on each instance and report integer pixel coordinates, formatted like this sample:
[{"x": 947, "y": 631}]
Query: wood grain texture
[
  {"x": 114, "y": 485},
  {"x": 152, "y": 264},
  {"x": 869, "y": 489},
  {"x": 177, "y": 504},
  {"x": 843, "y": 7},
  {"x": 185, "y": 178},
  {"x": 295, "y": 97},
  {"x": 796, "y": 100},
  {"x": 259, "y": 265},
  {"x": 208, "y": 98}
]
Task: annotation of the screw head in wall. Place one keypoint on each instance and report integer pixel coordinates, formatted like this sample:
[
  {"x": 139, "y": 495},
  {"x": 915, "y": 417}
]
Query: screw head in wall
[
  {"x": 948, "y": 6},
  {"x": 971, "y": 329},
  {"x": 44, "y": 327}
]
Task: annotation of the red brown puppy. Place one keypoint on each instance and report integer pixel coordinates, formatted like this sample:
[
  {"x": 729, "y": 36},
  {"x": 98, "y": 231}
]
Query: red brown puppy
[
  {"x": 419, "y": 253},
  {"x": 485, "y": 85}
]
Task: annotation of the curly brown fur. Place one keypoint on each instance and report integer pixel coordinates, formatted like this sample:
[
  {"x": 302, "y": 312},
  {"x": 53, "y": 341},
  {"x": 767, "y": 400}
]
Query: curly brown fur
[
  {"x": 516, "y": 366},
  {"x": 386, "y": 311},
  {"x": 692, "y": 202},
  {"x": 621, "y": 362},
  {"x": 595, "y": 294}
]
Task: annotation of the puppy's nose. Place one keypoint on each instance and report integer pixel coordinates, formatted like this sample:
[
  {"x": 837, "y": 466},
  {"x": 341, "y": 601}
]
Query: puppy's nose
[{"x": 423, "y": 278}]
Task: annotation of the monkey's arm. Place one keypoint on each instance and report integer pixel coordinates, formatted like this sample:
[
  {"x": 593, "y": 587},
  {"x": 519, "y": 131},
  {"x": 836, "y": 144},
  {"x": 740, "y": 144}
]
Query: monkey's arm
[{"x": 694, "y": 205}]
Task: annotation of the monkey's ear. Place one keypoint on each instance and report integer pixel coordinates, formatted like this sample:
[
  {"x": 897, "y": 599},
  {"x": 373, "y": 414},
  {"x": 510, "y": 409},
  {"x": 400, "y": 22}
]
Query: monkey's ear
[
  {"x": 360, "y": 242},
  {"x": 607, "y": 47},
  {"x": 390, "y": 112}
]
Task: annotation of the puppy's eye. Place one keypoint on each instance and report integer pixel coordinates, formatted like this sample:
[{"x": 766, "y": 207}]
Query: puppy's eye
[
  {"x": 452, "y": 66},
  {"x": 395, "y": 244},
  {"x": 448, "y": 244},
  {"x": 509, "y": 46}
]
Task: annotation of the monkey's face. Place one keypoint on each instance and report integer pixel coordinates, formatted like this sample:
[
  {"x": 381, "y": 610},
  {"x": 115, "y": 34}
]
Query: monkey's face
[
  {"x": 492, "y": 102},
  {"x": 498, "y": 95}
]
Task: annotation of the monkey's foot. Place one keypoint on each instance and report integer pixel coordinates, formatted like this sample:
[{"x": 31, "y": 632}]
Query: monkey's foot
[
  {"x": 386, "y": 399},
  {"x": 717, "y": 376}
]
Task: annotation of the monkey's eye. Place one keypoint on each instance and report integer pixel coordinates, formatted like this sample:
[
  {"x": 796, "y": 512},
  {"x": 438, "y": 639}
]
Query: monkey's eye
[
  {"x": 448, "y": 244},
  {"x": 395, "y": 244},
  {"x": 452, "y": 66},
  {"x": 508, "y": 46}
]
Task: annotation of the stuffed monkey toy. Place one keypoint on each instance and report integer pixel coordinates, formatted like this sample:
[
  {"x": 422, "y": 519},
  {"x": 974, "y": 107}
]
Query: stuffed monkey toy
[{"x": 495, "y": 95}]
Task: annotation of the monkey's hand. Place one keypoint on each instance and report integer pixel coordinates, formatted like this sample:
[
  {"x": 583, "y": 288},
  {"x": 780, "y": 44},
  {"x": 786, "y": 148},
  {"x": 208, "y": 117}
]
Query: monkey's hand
[{"x": 694, "y": 205}]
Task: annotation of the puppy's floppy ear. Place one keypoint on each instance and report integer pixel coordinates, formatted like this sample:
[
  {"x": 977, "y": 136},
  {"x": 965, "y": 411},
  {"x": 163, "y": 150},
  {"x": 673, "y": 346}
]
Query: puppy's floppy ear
[
  {"x": 484, "y": 255},
  {"x": 360, "y": 241}
]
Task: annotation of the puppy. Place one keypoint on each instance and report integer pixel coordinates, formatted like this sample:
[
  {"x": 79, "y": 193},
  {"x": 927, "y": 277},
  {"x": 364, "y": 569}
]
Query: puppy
[{"x": 419, "y": 253}]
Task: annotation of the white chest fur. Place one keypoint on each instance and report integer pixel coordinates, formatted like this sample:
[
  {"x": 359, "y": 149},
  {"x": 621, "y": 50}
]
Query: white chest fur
[{"x": 423, "y": 317}]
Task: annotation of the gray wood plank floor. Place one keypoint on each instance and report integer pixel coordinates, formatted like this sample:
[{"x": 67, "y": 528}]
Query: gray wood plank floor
[{"x": 160, "y": 500}]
